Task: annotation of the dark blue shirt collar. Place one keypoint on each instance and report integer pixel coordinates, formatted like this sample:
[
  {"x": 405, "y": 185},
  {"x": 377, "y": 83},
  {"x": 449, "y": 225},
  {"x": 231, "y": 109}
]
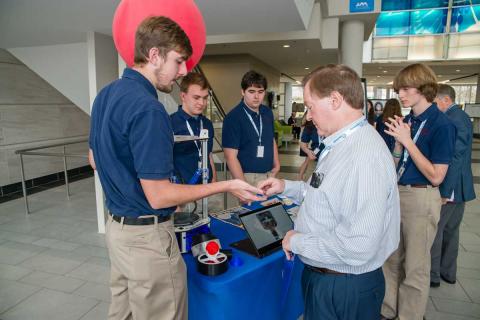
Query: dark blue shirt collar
[
  {"x": 137, "y": 76},
  {"x": 451, "y": 107},
  {"x": 186, "y": 116},
  {"x": 261, "y": 109},
  {"x": 425, "y": 114}
]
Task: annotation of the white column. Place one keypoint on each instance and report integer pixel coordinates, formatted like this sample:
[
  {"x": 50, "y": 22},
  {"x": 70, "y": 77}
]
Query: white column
[
  {"x": 92, "y": 86},
  {"x": 352, "y": 44},
  {"x": 103, "y": 68},
  {"x": 288, "y": 100},
  {"x": 477, "y": 98}
]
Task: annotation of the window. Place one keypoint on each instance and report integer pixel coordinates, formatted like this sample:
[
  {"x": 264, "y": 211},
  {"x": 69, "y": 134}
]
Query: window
[
  {"x": 425, "y": 47},
  {"x": 411, "y": 22},
  {"x": 390, "y": 48},
  {"x": 464, "y": 46},
  {"x": 428, "y": 21},
  {"x": 465, "y": 19},
  {"x": 389, "y": 5},
  {"x": 417, "y": 30}
]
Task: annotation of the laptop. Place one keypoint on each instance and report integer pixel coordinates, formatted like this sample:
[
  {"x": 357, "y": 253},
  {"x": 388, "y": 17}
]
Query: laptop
[{"x": 266, "y": 227}]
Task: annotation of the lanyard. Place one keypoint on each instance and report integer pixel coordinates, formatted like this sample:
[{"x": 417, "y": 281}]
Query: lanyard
[
  {"x": 415, "y": 138},
  {"x": 192, "y": 134},
  {"x": 355, "y": 126},
  {"x": 339, "y": 139},
  {"x": 259, "y": 133}
]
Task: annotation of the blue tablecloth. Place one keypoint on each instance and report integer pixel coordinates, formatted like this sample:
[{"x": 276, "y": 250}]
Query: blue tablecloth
[{"x": 251, "y": 291}]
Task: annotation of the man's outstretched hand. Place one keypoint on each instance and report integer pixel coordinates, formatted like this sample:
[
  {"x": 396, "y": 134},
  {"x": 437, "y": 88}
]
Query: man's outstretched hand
[
  {"x": 245, "y": 192},
  {"x": 271, "y": 186}
]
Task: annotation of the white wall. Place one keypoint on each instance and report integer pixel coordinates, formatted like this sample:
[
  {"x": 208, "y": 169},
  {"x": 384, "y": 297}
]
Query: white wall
[
  {"x": 33, "y": 113},
  {"x": 63, "y": 66}
]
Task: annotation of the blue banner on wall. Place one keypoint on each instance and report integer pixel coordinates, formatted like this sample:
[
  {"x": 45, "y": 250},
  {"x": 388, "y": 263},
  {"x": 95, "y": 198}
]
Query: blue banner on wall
[{"x": 362, "y": 5}]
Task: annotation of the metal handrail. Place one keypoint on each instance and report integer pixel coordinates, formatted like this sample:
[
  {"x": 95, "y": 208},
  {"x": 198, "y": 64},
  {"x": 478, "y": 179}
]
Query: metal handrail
[
  {"x": 64, "y": 155},
  {"x": 214, "y": 96}
]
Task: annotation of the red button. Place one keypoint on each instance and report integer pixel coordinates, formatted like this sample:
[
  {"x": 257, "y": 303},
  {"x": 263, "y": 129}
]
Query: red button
[{"x": 212, "y": 248}]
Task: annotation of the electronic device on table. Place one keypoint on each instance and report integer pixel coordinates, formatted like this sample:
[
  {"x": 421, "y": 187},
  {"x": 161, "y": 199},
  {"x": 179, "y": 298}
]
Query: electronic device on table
[
  {"x": 188, "y": 224},
  {"x": 266, "y": 227}
]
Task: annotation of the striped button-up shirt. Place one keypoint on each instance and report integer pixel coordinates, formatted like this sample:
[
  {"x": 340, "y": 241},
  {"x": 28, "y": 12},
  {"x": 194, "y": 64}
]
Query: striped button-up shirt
[{"x": 351, "y": 222}]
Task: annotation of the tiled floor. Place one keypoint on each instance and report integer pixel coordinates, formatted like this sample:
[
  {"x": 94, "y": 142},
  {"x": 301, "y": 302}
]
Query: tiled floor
[{"x": 54, "y": 265}]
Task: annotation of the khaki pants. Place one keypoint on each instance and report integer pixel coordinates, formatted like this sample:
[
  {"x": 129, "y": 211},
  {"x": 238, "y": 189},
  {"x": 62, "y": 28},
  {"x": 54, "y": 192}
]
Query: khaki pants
[
  {"x": 255, "y": 178},
  {"x": 148, "y": 275},
  {"x": 251, "y": 178},
  {"x": 407, "y": 271}
]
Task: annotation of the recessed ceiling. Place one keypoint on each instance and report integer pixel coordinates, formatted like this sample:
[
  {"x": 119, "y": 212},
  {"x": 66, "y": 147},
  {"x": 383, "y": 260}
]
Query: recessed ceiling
[{"x": 292, "y": 61}]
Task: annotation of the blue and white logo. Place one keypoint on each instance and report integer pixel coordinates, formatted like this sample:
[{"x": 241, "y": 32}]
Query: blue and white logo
[{"x": 362, "y": 5}]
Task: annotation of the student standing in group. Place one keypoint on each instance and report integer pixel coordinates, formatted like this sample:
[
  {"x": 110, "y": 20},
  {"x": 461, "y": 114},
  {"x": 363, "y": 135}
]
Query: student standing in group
[
  {"x": 189, "y": 120},
  {"x": 248, "y": 136},
  {"x": 424, "y": 143},
  {"x": 131, "y": 148}
]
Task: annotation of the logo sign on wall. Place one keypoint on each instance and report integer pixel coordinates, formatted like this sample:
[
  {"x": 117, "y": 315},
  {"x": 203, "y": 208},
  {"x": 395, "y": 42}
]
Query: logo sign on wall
[{"x": 362, "y": 5}]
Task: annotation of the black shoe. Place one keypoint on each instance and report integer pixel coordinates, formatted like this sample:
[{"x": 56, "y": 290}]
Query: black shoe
[
  {"x": 434, "y": 284},
  {"x": 448, "y": 281}
]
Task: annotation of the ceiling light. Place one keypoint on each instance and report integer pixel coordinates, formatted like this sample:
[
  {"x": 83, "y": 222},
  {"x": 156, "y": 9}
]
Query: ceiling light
[
  {"x": 298, "y": 82},
  {"x": 307, "y": 68},
  {"x": 378, "y": 76},
  {"x": 286, "y": 46},
  {"x": 440, "y": 76},
  {"x": 385, "y": 71},
  {"x": 390, "y": 83},
  {"x": 458, "y": 70}
]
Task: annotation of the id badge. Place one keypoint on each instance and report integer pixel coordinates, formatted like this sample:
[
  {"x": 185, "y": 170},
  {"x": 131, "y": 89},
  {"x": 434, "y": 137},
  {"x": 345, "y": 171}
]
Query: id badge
[
  {"x": 204, "y": 133},
  {"x": 260, "y": 150}
]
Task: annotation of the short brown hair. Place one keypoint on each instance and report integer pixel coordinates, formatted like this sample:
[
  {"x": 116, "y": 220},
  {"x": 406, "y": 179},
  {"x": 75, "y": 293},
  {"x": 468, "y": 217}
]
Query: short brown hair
[
  {"x": 193, "y": 78},
  {"x": 392, "y": 108},
  {"x": 326, "y": 79},
  {"x": 419, "y": 76},
  {"x": 162, "y": 33}
]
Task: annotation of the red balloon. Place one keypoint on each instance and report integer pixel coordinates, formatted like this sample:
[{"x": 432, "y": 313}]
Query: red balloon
[{"x": 130, "y": 13}]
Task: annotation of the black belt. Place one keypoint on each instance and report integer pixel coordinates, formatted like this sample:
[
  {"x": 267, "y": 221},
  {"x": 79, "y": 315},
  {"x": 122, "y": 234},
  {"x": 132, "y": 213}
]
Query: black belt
[
  {"x": 140, "y": 221},
  {"x": 417, "y": 185},
  {"x": 323, "y": 270}
]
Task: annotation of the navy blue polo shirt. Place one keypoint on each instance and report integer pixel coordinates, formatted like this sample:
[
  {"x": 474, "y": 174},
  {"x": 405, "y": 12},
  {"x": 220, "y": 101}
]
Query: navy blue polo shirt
[
  {"x": 185, "y": 154},
  {"x": 381, "y": 127},
  {"x": 239, "y": 133},
  {"x": 436, "y": 142},
  {"x": 311, "y": 135},
  {"x": 132, "y": 139}
]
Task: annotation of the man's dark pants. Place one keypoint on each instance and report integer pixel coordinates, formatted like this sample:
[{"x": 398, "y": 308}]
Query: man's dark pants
[
  {"x": 445, "y": 246},
  {"x": 342, "y": 296}
]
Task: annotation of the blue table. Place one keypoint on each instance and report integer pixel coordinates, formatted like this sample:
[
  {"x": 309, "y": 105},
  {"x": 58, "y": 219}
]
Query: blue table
[{"x": 251, "y": 291}]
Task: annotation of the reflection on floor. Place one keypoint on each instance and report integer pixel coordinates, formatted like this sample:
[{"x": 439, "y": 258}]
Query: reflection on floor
[{"x": 54, "y": 265}]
